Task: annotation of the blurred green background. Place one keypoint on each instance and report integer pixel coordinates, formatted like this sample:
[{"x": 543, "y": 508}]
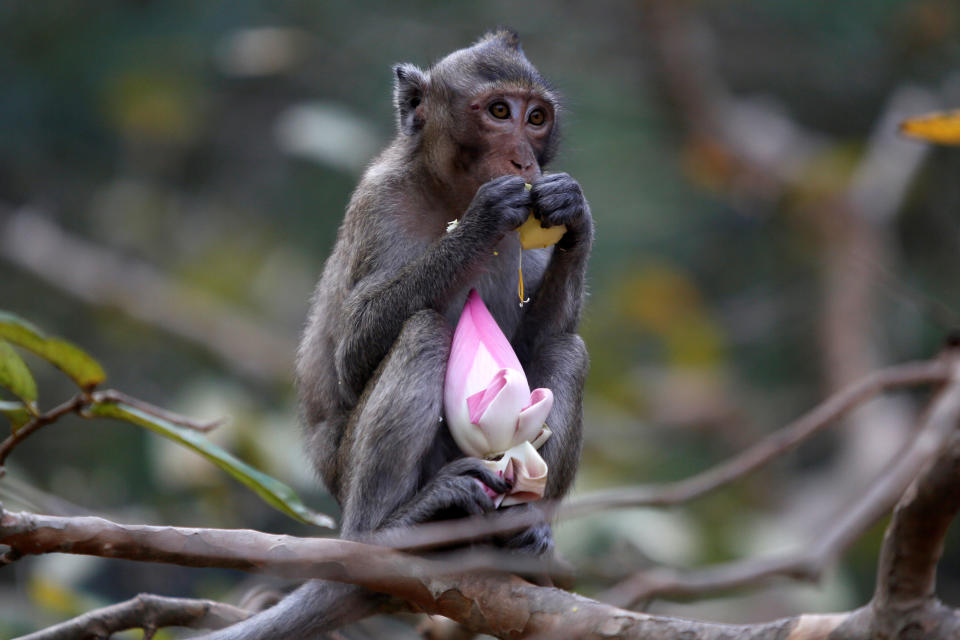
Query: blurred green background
[{"x": 172, "y": 175}]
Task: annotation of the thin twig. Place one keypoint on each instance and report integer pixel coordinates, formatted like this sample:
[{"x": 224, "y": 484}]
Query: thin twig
[
  {"x": 939, "y": 426},
  {"x": 73, "y": 405},
  {"x": 145, "y": 611},
  {"x": 153, "y": 410},
  {"x": 78, "y": 403},
  {"x": 769, "y": 448}
]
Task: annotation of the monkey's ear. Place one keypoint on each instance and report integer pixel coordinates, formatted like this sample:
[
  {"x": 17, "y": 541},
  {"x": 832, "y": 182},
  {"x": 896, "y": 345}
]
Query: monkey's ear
[{"x": 409, "y": 89}]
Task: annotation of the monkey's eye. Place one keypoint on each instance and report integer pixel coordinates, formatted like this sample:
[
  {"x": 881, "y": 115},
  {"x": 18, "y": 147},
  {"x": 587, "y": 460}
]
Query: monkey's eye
[
  {"x": 537, "y": 117},
  {"x": 500, "y": 110}
]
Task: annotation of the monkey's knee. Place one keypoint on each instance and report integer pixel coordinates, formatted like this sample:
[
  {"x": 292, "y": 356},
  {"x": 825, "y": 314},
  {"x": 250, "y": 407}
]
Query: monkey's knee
[
  {"x": 423, "y": 345},
  {"x": 425, "y": 327},
  {"x": 564, "y": 352}
]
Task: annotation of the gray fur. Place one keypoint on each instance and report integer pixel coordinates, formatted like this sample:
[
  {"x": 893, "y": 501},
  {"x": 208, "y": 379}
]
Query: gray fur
[{"x": 371, "y": 365}]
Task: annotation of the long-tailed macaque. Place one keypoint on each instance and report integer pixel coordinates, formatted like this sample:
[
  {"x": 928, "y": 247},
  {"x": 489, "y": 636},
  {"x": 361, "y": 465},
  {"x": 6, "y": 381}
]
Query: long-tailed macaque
[{"x": 472, "y": 130}]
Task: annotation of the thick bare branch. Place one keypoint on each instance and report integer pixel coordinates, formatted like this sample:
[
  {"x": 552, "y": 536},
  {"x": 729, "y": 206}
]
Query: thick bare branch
[
  {"x": 913, "y": 543},
  {"x": 145, "y": 611},
  {"x": 938, "y": 428},
  {"x": 507, "y": 606},
  {"x": 502, "y": 605}
]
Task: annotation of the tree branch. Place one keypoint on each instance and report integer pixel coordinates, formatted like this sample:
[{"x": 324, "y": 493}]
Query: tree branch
[
  {"x": 939, "y": 426},
  {"x": 769, "y": 448},
  {"x": 494, "y": 603},
  {"x": 507, "y": 606},
  {"x": 73, "y": 405},
  {"x": 112, "y": 395},
  {"x": 913, "y": 542},
  {"x": 145, "y": 611},
  {"x": 81, "y": 403}
]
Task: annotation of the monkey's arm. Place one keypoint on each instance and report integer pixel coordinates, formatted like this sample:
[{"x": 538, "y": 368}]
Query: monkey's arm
[
  {"x": 558, "y": 301},
  {"x": 554, "y": 356},
  {"x": 376, "y": 308}
]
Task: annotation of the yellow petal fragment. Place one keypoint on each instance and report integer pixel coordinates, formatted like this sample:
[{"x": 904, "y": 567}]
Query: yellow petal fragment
[
  {"x": 533, "y": 236},
  {"x": 942, "y": 127}
]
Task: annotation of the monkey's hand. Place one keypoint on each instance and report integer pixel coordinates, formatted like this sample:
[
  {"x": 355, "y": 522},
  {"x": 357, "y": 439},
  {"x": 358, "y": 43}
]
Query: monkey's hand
[
  {"x": 461, "y": 488},
  {"x": 499, "y": 206},
  {"x": 536, "y": 540},
  {"x": 558, "y": 199}
]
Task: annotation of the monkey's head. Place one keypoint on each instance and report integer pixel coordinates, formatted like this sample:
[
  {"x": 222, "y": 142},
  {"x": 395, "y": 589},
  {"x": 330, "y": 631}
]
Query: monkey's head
[{"x": 479, "y": 113}]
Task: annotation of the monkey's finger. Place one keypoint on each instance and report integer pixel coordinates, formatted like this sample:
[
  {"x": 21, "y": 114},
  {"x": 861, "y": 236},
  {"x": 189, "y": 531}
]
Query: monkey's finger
[
  {"x": 553, "y": 182},
  {"x": 560, "y": 183},
  {"x": 492, "y": 480},
  {"x": 560, "y": 209}
]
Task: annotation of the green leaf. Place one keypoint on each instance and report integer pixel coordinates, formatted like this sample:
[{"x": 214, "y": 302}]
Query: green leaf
[
  {"x": 66, "y": 356},
  {"x": 16, "y": 413},
  {"x": 274, "y": 492},
  {"x": 15, "y": 376}
]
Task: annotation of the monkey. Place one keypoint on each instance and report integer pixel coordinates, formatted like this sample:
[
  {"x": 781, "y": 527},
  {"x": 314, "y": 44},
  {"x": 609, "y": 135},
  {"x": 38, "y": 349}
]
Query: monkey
[{"x": 473, "y": 132}]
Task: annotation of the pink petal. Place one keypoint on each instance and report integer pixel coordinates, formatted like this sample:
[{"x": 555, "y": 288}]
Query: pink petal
[
  {"x": 487, "y": 400},
  {"x": 478, "y": 402},
  {"x": 477, "y": 347},
  {"x": 534, "y": 415},
  {"x": 489, "y": 332},
  {"x": 463, "y": 354}
]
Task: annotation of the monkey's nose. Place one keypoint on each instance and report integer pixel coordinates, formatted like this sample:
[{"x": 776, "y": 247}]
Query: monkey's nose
[{"x": 530, "y": 171}]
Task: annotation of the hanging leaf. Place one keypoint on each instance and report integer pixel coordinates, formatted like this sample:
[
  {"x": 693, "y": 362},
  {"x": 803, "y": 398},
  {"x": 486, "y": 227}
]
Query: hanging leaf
[
  {"x": 942, "y": 127},
  {"x": 274, "y": 492},
  {"x": 16, "y": 413},
  {"x": 15, "y": 377},
  {"x": 67, "y": 357}
]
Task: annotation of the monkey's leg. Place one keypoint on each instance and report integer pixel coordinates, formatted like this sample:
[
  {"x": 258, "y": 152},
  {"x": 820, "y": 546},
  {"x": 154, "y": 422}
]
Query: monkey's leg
[
  {"x": 393, "y": 446},
  {"x": 401, "y": 466}
]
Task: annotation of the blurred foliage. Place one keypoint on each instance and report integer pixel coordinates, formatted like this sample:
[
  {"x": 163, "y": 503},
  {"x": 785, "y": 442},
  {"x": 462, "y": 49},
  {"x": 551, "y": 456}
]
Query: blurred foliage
[
  {"x": 219, "y": 142},
  {"x": 87, "y": 373}
]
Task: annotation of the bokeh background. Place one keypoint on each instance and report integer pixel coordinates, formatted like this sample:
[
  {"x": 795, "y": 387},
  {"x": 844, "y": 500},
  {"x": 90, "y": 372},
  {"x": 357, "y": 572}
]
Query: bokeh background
[{"x": 172, "y": 175}]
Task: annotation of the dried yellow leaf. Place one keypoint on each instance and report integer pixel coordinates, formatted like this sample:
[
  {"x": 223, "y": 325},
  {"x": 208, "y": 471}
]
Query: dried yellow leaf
[{"x": 942, "y": 127}]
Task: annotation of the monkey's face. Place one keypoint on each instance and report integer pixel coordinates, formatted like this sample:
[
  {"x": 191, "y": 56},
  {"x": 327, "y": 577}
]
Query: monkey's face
[
  {"x": 512, "y": 128},
  {"x": 498, "y": 130},
  {"x": 479, "y": 113}
]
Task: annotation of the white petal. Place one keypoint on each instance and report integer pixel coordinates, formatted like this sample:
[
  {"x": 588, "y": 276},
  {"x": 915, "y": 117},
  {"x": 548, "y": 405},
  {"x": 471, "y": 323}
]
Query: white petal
[
  {"x": 499, "y": 420},
  {"x": 532, "y": 418},
  {"x": 530, "y": 474},
  {"x": 542, "y": 437}
]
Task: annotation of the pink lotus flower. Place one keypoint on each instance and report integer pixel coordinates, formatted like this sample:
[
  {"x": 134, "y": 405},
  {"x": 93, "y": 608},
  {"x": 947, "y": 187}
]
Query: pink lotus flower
[{"x": 491, "y": 412}]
